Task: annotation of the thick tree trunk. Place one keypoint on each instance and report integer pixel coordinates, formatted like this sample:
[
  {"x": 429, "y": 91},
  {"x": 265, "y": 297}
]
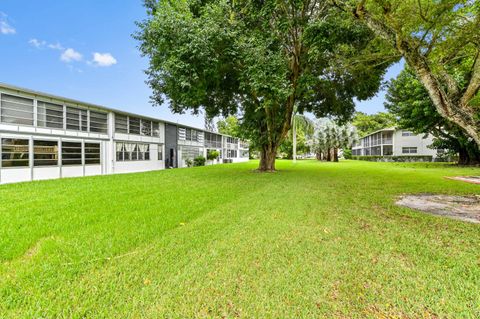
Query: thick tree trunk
[
  {"x": 335, "y": 154},
  {"x": 267, "y": 159},
  {"x": 463, "y": 158},
  {"x": 328, "y": 155}
]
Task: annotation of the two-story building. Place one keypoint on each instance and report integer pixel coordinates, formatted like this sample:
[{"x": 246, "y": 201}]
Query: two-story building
[
  {"x": 43, "y": 136},
  {"x": 394, "y": 142}
]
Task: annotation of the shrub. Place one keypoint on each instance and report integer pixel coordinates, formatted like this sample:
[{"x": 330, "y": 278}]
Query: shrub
[
  {"x": 347, "y": 153},
  {"x": 199, "y": 161},
  {"x": 400, "y": 158},
  {"x": 213, "y": 155},
  {"x": 189, "y": 162}
]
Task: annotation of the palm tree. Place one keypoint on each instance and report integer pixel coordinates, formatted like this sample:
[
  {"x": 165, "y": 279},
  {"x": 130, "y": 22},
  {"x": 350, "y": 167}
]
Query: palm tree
[{"x": 303, "y": 123}]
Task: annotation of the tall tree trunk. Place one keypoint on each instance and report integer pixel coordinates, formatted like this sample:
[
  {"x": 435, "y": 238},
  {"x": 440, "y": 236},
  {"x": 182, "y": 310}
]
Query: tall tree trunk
[
  {"x": 335, "y": 154},
  {"x": 268, "y": 155},
  {"x": 328, "y": 155},
  {"x": 463, "y": 157},
  {"x": 294, "y": 138}
]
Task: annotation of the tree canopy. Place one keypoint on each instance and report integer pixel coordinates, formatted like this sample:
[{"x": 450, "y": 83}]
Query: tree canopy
[
  {"x": 260, "y": 59},
  {"x": 229, "y": 126},
  {"x": 409, "y": 101},
  {"x": 440, "y": 42},
  {"x": 369, "y": 123}
]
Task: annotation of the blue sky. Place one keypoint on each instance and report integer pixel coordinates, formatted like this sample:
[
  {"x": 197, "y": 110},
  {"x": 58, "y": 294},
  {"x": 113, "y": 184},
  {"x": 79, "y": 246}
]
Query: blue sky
[{"x": 84, "y": 50}]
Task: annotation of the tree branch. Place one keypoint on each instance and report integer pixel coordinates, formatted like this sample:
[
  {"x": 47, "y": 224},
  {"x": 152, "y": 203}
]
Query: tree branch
[{"x": 474, "y": 84}]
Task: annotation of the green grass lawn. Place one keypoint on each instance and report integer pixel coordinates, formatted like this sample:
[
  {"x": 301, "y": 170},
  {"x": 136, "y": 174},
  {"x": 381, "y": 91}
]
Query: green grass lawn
[{"x": 313, "y": 240}]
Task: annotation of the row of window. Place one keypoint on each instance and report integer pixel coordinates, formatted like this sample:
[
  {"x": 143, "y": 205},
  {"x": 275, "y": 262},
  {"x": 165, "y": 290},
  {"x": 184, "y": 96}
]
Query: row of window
[
  {"x": 21, "y": 111},
  {"x": 134, "y": 125},
  {"x": 232, "y": 140},
  {"x": 231, "y": 153},
  {"x": 190, "y": 152},
  {"x": 407, "y": 133},
  {"x": 409, "y": 150},
  {"x": 188, "y": 134},
  {"x": 136, "y": 151},
  {"x": 16, "y": 153},
  {"x": 213, "y": 140}
]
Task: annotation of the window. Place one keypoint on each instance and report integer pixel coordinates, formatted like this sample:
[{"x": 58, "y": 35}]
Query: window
[
  {"x": 132, "y": 151},
  {"x": 160, "y": 152},
  {"x": 73, "y": 119},
  {"x": 49, "y": 115},
  {"x": 16, "y": 110},
  {"x": 98, "y": 122},
  {"x": 188, "y": 134},
  {"x": 409, "y": 150},
  {"x": 14, "y": 153},
  {"x": 84, "y": 121},
  {"x": 92, "y": 153},
  {"x": 190, "y": 152},
  {"x": 120, "y": 150},
  {"x": 45, "y": 153},
  {"x": 71, "y": 153},
  {"x": 121, "y": 123},
  {"x": 231, "y": 153},
  {"x": 146, "y": 128},
  {"x": 407, "y": 133},
  {"x": 134, "y": 125},
  {"x": 156, "y": 129},
  {"x": 143, "y": 152}
]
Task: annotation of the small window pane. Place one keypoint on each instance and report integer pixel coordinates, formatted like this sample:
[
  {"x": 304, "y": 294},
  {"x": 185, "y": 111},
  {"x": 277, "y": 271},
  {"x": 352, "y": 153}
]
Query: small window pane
[
  {"x": 16, "y": 110},
  {"x": 45, "y": 153},
  {"x": 15, "y": 153},
  {"x": 146, "y": 128},
  {"x": 134, "y": 125},
  {"x": 71, "y": 153},
  {"x": 121, "y": 123},
  {"x": 49, "y": 115},
  {"x": 98, "y": 122},
  {"x": 160, "y": 152},
  {"x": 156, "y": 129},
  {"x": 92, "y": 153}
]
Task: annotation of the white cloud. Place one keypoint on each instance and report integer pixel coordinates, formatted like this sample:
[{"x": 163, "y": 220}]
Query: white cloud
[
  {"x": 37, "y": 43},
  {"x": 70, "y": 55},
  {"x": 56, "y": 46},
  {"x": 5, "y": 27},
  {"x": 103, "y": 59}
]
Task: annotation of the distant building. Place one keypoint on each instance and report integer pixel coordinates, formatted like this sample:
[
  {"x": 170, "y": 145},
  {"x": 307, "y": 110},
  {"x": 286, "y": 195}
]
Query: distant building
[{"x": 394, "y": 142}]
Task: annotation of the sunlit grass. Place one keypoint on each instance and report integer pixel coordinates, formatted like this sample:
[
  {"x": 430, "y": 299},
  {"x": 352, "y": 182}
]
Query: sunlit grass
[{"x": 313, "y": 240}]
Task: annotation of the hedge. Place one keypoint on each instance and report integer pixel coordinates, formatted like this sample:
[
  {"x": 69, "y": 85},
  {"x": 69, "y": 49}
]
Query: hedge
[{"x": 400, "y": 158}]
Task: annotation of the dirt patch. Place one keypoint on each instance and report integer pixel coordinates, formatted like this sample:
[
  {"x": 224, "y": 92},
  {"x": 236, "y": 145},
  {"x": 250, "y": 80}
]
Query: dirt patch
[
  {"x": 466, "y": 208},
  {"x": 467, "y": 179}
]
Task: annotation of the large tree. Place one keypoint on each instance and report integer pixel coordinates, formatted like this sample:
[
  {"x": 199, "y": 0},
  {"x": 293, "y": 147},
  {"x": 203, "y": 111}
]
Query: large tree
[
  {"x": 409, "y": 101},
  {"x": 440, "y": 41},
  {"x": 259, "y": 58}
]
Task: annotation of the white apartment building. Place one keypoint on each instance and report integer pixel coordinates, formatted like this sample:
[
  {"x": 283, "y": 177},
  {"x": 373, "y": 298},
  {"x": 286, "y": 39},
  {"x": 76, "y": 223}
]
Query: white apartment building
[
  {"x": 394, "y": 142},
  {"x": 43, "y": 136}
]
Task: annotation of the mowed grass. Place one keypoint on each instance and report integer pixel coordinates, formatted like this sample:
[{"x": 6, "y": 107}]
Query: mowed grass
[{"x": 315, "y": 240}]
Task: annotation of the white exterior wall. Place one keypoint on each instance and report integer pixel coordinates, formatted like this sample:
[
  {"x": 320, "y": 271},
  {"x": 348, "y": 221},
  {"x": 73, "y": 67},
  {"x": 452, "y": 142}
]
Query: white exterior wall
[
  {"x": 33, "y": 173},
  {"x": 399, "y": 142},
  {"x": 417, "y": 141},
  {"x": 108, "y": 163}
]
